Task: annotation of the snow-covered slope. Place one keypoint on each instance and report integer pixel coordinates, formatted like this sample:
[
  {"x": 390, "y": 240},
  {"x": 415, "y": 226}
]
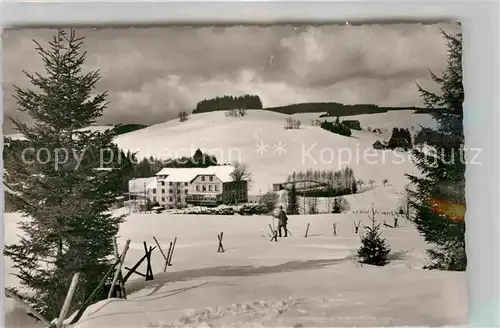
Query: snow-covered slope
[
  {"x": 272, "y": 153},
  {"x": 14, "y": 136},
  {"x": 311, "y": 281},
  {"x": 94, "y": 128}
]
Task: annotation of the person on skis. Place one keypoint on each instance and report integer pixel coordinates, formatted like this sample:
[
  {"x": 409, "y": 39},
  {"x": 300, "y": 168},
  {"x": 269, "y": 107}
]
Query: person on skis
[{"x": 282, "y": 221}]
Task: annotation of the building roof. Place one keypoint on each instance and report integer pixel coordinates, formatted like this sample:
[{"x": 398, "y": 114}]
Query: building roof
[
  {"x": 223, "y": 172},
  {"x": 138, "y": 185}
]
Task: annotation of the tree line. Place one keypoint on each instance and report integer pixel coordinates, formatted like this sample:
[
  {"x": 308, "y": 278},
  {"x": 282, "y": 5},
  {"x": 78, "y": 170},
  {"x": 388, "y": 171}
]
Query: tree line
[
  {"x": 228, "y": 102},
  {"x": 333, "y": 109},
  {"x": 331, "y": 182},
  {"x": 337, "y": 127}
]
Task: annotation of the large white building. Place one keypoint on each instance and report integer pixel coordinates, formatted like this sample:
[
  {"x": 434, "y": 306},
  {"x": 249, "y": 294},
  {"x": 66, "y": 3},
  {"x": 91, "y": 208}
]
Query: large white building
[{"x": 179, "y": 187}]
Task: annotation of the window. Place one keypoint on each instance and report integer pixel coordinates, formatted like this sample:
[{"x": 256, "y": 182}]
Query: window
[
  {"x": 216, "y": 187},
  {"x": 185, "y": 183},
  {"x": 170, "y": 191},
  {"x": 170, "y": 199},
  {"x": 163, "y": 199},
  {"x": 163, "y": 183},
  {"x": 186, "y": 191},
  {"x": 170, "y": 183},
  {"x": 211, "y": 178},
  {"x": 209, "y": 187},
  {"x": 197, "y": 187},
  {"x": 178, "y": 191},
  {"x": 163, "y": 191},
  {"x": 204, "y": 188},
  {"x": 154, "y": 198},
  {"x": 154, "y": 190},
  {"x": 178, "y": 184},
  {"x": 202, "y": 178}
]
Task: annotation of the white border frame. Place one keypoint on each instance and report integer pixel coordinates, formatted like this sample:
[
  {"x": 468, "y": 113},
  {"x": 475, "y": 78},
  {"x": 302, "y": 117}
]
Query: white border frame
[{"x": 480, "y": 28}]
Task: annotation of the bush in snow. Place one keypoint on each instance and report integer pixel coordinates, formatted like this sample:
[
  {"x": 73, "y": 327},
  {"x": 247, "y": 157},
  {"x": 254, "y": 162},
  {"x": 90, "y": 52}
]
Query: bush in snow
[
  {"x": 340, "y": 204},
  {"x": 269, "y": 200},
  {"x": 183, "y": 116},
  {"x": 250, "y": 209},
  {"x": 198, "y": 210}
]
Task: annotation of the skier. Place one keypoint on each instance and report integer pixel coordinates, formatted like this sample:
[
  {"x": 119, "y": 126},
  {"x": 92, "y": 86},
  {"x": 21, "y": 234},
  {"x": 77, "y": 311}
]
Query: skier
[{"x": 282, "y": 221}]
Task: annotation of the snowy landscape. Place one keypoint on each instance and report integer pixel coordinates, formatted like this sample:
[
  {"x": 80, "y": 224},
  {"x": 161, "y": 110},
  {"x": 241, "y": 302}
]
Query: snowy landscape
[
  {"x": 313, "y": 281},
  {"x": 223, "y": 266}
]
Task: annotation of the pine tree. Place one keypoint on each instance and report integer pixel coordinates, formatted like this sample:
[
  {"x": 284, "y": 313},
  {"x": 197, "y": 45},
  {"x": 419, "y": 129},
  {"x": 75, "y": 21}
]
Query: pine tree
[
  {"x": 64, "y": 200},
  {"x": 374, "y": 249},
  {"x": 442, "y": 174},
  {"x": 293, "y": 202}
]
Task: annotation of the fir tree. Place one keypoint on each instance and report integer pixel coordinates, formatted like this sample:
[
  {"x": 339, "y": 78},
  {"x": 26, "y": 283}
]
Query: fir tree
[
  {"x": 442, "y": 174},
  {"x": 374, "y": 249},
  {"x": 64, "y": 196},
  {"x": 354, "y": 187},
  {"x": 293, "y": 202}
]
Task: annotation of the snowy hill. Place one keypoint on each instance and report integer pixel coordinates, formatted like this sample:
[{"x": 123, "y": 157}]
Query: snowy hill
[{"x": 281, "y": 151}]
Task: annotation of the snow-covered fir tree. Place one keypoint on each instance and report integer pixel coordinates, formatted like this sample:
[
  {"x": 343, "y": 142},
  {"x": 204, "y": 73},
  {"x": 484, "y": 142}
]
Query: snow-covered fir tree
[
  {"x": 374, "y": 249},
  {"x": 64, "y": 194},
  {"x": 443, "y": 173}
]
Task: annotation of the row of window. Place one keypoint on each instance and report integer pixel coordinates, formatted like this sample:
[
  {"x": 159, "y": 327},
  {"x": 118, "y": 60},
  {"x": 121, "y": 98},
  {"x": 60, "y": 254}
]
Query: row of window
[
  {"x": 174, "y": 183},
  {"x": 170, "y": 199},
  {"x": 210, "y": 178},
  {"x": 204, "y": 187},
  {"x": 210, "y": 187},
  {"x": 170, "y": 191}
]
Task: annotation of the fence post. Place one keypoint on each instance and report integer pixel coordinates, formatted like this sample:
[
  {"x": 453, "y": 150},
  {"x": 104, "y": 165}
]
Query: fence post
[
  {"x": 67, "y": 301},
  {"x": 163, "y": 254},
  {"x": 172, "y": 252},
  {"x": 119, "y": 268}
]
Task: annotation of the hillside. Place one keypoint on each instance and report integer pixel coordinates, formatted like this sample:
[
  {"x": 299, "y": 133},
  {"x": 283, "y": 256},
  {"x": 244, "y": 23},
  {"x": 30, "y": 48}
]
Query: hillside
[
  {"x": 238, "y": 138},
  {"x": 252, "y": 102}
]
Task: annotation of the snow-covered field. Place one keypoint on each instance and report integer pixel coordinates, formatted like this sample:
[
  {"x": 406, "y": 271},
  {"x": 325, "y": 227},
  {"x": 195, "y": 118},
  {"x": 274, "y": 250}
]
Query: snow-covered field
[
  {"x": 296, "y": 282},
  {"x": 311, "y": 281}
]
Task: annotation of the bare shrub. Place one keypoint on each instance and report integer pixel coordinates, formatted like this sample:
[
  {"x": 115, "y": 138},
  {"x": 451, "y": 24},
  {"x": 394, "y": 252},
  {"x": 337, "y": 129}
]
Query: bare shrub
[
  {"x": 183, "y": 116},
  {"x": 269, "y": 200}
]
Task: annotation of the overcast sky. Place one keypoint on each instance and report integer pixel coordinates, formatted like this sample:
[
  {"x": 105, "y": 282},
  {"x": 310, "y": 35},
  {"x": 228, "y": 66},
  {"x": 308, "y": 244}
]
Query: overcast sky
[{"x": 152, "y": 74}]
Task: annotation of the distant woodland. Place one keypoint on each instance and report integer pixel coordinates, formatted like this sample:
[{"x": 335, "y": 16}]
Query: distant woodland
[
  {"x": 228, "y": 102},
  {"x": 331, "y": 109}
]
